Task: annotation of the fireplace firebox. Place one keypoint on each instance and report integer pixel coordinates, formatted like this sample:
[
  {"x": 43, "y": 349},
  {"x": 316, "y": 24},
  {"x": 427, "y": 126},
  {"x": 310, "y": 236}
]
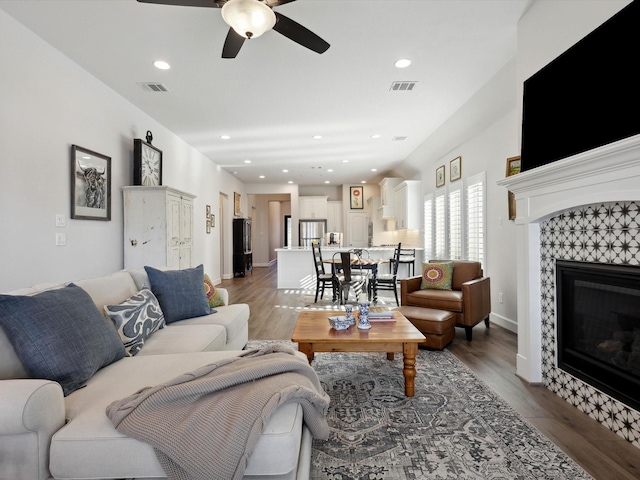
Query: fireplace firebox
[{"x": 598, "y": 315}]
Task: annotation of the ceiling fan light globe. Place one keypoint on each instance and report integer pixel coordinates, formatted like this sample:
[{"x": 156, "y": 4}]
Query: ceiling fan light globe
[{"x": 249, "y": 18}]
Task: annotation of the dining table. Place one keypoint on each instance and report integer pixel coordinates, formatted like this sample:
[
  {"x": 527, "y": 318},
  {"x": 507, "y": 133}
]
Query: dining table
[{"x": 364, "y": 263}]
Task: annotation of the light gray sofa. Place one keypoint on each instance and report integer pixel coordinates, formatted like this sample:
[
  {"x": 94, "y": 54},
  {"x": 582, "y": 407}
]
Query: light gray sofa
[{"x": 45, "y": 435}]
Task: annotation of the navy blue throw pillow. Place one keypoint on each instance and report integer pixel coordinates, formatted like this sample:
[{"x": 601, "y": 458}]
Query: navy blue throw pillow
[
  {"x": 180, "y": 293},
  {"x": 60, "y": 335}
]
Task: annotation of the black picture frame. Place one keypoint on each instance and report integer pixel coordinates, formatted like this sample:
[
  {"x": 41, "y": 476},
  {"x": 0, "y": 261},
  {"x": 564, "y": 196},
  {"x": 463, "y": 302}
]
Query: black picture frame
[
  {"x": 356, "y": 196},
  {"x": 141, "y": 151},
  {"x": 90, "y": 185}
]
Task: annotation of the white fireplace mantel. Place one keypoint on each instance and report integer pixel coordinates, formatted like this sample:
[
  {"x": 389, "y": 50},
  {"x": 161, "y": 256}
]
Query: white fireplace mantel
[{"x": 606, "y": 174}]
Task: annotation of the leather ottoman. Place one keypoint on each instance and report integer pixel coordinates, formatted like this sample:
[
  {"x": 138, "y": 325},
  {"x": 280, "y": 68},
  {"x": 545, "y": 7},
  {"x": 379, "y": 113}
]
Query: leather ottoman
[{"x": 437, "y": 325}]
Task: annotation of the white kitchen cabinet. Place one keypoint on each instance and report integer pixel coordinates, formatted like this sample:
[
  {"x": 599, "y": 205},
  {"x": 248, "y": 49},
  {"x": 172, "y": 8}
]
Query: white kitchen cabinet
[
  {"x": 313, "y": 207},
  {"x": 334, "y": 217},
  {"x": 407, "y": 205},
  {"x": 158, "y": 227},
  {"x": 387, "y": 197}
]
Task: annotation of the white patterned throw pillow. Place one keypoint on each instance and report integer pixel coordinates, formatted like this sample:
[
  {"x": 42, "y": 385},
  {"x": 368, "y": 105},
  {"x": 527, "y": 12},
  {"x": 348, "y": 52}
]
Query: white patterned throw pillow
[{"x": 135, "y": 319}]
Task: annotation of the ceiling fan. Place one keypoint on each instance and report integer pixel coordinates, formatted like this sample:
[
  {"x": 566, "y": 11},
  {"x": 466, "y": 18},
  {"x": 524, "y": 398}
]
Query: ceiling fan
[{"x": 252, "y": 18}]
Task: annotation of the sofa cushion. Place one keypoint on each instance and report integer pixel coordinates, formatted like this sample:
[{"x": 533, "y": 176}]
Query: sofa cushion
[
  {"x": 185, "y": 339},
  {"x": 110, "y": 289},
  {"x": 88, "y": 446},
  {"x": 60, "y": 335},
  {"x": 180, "y": 292},
  {"x": 234, "y": 318},
  {"x": 437, "y": 276},
  {"x": 214, "y": 297},
  {"x": 135, "y": 319},
  {"x": 450, "y": 300}
]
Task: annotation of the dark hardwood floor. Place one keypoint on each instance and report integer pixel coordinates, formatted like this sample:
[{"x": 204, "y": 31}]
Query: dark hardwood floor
[{"x": 491, "y": 355}]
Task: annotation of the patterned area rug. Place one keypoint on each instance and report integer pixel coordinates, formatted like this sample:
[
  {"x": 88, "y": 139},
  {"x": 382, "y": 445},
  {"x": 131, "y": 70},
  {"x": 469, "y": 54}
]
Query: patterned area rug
[{"x": 454, "y": 427}]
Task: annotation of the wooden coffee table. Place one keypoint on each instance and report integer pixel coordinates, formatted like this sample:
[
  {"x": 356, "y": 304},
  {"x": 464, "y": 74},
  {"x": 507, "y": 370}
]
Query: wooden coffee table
[{"x": 314, "y": 334}]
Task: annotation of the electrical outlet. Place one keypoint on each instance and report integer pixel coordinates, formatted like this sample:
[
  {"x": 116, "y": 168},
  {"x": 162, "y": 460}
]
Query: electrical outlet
[
  {"x": 60, "y": 220},
  {"x": 500, "y": 299},
  {"x": 61, "y": 239}
]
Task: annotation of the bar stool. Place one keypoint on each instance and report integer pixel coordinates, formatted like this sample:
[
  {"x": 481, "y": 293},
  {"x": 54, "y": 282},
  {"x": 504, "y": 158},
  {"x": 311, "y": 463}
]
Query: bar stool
[{"x": 408, "y": 257}]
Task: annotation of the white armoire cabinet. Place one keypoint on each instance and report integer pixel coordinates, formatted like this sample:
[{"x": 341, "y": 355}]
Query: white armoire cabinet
[{"x": 158, "y": 227}]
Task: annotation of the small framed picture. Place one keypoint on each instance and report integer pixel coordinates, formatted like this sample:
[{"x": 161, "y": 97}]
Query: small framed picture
[
  {"x": 513, "y": 165},
  {"x": 90, "y": 185},
  {"x": 455, "y": 172},
  {"x": 440, "y": 177},
  {"x": 356, "y": 194},
  {"x": 236, "y": 204}
]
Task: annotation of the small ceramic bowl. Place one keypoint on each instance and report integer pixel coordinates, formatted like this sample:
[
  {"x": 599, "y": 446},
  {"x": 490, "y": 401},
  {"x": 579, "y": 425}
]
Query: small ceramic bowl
[{"x": 340, "y": 323}]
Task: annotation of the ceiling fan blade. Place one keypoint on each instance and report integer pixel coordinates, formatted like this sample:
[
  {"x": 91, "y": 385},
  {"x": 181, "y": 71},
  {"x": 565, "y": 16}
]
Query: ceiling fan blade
[
  {"x": 277, "y": 3},
  {"x": 186, "y": 3},
  {"x": 299, "y": 34},
  {"x": 232, "y": 44}
]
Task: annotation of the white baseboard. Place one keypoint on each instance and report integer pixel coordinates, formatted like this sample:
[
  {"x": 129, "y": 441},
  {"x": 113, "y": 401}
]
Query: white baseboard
[{"x": 504, "y": 322}]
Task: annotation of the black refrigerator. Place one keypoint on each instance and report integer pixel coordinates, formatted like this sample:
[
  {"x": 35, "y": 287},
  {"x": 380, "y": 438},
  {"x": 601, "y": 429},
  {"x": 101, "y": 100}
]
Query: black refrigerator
[{"x": 242, "y": 254}]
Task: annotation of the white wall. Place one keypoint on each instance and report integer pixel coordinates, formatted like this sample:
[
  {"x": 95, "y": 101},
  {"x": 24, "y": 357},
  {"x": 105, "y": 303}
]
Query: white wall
[
  {"x": 487, "y": 129},
  {"x": 47, "y": 104},
  {"x": 484, "y": 132}
]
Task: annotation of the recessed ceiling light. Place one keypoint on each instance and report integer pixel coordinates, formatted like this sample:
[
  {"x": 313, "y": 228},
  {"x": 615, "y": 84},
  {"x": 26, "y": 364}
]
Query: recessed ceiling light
[
  {"x": 363, "y": 181},
  {"x": 327, "y": 181},
  {"x": 317, "y": 137},
  {"x": 261, "y": 176},
  {"x": 290, "y": 181},
  {"x": 330, "y": 170},
  {"x": 345, "y": 161},
  {"x": 375, "y": 136},
  {"x": 285, "y": 171},
  {"x": 374, "y": 169},
  {"x": 225, "y": 137},
  {"x": 247, "y": 161},
  {"x": 161, "y": 64},
  {"x": 403, "y": 63}
]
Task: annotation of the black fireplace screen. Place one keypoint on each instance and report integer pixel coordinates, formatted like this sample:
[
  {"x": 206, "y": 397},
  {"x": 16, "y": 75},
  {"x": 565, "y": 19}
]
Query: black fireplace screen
[{"x": 598, "y": 314}]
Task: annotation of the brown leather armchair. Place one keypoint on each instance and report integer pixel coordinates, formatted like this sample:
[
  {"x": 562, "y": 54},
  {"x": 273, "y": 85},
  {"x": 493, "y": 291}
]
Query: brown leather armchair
[{"x": 469, "y": 298}]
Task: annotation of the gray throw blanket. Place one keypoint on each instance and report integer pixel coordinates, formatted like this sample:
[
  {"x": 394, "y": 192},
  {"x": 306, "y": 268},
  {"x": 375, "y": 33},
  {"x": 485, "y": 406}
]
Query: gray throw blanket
[{"x": 204, "y": 424}]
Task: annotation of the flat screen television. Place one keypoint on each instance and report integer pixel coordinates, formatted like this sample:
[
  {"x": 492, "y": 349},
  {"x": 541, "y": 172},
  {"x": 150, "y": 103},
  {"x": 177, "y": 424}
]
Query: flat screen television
[{"x": 587, "y": 97}]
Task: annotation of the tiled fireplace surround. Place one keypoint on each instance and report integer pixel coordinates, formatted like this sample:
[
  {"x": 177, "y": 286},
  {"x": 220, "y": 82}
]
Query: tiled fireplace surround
[{"x": 586, "y": 208}]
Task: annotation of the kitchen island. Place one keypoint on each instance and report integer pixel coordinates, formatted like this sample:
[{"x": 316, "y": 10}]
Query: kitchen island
[{"x": 296, "y": 270}]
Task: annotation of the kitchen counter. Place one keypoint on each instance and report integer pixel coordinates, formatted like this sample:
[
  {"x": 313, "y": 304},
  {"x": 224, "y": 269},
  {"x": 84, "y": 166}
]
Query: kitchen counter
[{"x": 296, "y": 269}]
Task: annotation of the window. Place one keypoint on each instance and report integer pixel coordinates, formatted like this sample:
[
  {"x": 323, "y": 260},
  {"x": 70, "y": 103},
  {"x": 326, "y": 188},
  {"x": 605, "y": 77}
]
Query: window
[
  {"x": 439, "y": 227},
  {"x": 454, "y": 221},
  {"x": 454, "y": 212},
  {"x": 475, "y": 218},
  {"x": 428, "y": 226}
]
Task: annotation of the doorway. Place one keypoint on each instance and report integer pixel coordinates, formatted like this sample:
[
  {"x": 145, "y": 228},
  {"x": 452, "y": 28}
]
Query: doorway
[
  {"x": 224, "y": 201},
  {"x": 288, "y": 239}
]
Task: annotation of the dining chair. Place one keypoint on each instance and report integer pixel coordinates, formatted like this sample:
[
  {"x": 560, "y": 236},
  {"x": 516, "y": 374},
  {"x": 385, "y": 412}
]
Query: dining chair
[
  {"x": 323, "y": 279},
  {"x": 388, "y": 281},
  {"x": 345, "y": 280}
]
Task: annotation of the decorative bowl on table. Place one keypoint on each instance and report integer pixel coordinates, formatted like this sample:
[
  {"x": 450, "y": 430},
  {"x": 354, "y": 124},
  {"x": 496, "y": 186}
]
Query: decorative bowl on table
[{"x": 340, "y": 322}]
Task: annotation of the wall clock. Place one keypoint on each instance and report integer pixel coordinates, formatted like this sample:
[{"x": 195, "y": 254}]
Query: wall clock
[{"x": 147, "y": 164}]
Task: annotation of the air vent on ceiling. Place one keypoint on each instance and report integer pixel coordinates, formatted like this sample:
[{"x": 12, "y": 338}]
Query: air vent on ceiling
[
  {"x": 399, "y": 139},
  {"x": 153, "y": 87},
  {"x": 402, "y": 86}
]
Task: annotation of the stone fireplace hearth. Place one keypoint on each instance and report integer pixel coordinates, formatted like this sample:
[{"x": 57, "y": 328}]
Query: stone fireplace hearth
[{"x": 602, "y": 185}]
